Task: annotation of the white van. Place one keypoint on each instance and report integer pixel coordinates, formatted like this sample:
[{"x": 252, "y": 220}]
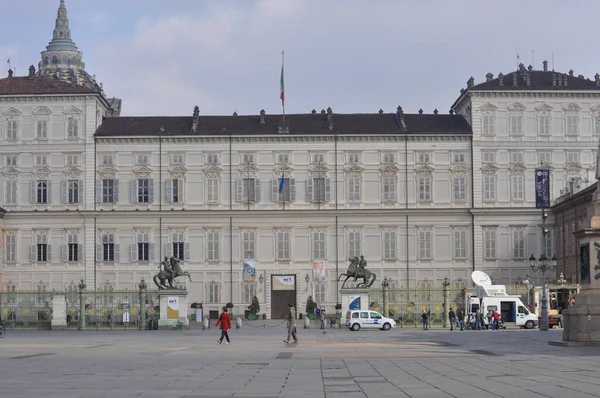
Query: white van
[
  {"x": 511, "y": 309},
  {"x": 368, "y": 319}
]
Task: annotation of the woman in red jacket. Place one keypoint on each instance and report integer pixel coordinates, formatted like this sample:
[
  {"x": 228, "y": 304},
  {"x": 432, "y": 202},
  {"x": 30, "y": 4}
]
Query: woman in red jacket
[{"x": 225, "y": 321}]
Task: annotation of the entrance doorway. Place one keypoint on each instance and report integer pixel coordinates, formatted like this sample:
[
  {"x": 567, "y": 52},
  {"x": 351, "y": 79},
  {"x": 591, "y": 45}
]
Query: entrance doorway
[{"x": 283, "y": 292}]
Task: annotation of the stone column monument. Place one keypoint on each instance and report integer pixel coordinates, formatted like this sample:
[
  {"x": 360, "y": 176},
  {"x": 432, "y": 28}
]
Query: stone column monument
[{"x": 582, "y": 321}]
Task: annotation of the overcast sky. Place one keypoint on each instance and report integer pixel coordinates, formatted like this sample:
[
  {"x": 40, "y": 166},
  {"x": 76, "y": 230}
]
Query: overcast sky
[{"x": 357, "y": 56}]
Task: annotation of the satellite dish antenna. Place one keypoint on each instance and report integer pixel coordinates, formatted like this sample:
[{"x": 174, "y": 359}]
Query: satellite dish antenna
[{"x": 481, "y": 279}]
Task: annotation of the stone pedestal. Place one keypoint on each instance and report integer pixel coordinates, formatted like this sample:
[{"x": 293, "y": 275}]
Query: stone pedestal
[
  {"x": 173, "y": 309},
  {"x": 354, "y": 299},
  {"x": 59, "y": 311},
  {"x": 581, "y": 322}
]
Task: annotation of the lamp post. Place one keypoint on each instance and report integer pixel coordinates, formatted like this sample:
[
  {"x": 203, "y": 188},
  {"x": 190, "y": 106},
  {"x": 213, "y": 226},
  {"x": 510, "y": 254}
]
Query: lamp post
[
  {"x": 142, "y": 286},
  {"x": 543, "y": 265},
  {"x": 445, "y": 286},
  {"x": 527, "y": 282},
  {"x": 385, "y": 283},
  {"x": 81, "y": 287},
  {"x": 260, "y": 280},
  {"x": 307, "y": 279}
]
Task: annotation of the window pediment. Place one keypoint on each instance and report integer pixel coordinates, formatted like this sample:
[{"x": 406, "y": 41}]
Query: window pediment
[
  {"x": 517, "y": 168},
  {"x": 42, "y": 111},
  {"x": 595, "y": 109},
  {"x": 516, "y": 107},
  {"x": 543, "y": 108},
  {"x": 142, "y": 171},
  {"x": 282, "y": 168},
  {"x": 489, "y": 169},
  {"x": 107, "y": 172},
  {"x": 354, "y": 169},
  {"x": 12, "y": 112},
  {"x": 573, "y": 168},
  {"x": 179, "y": 169},
  {"x": 459, "y": 169},
  {"x": 72, "y": 171},
  {"x": 41, "y": 172},
  {"x": 571, "y": 108},
  {"x": 318, "y": 168},
  {"x": 73, "y": 111},
  {"x": 389, "y": 169},
  {"x": 213, "y": 171},
  {"x": 424, "y": 170},
  {"x": 488, "y": 108},
  {"x": 248, "y": 168},
  {"x": 11, "y": 171}
]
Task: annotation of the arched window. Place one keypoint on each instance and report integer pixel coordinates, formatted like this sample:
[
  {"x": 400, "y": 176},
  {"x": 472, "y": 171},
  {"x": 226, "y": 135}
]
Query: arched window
[
  {"x": 54, "y": 59},
  {"x": 46, "y": 61}
]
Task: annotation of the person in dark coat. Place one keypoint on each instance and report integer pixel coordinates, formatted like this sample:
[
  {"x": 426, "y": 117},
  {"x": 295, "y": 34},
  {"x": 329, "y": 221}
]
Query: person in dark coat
[
  {"x": 225, "y": 322},
  {"x": 461, "y": 319},
  {"x": 452, "y": 317}
]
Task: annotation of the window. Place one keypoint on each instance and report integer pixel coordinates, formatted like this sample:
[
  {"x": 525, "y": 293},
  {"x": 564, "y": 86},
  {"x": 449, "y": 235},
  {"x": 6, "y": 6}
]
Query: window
[
  {"x": 571, "y": 121},
  {"x": 518, "y": 243},
  {"x": 73, "y": 187},
  {"x": 518, "y": 187},
  {"x": 212, "y": 188},
  {"x": 174, "y": 187},
  {"x": 180, "y": 248},
  {"x": 142, "y": 159},
  {"x": 106, "y": 159},
  {"x": 353, "y": 158},
  {"x": 212, "y": 158},
  {"x": 72, "y": 127},
  {"x": 354, "y": 191},
  {"x": 547, "y": 239},
  {"x": 288, "y": 193},
  {"x": 517, "y": 157},
  {"x": 489, "y": 187},
  {"x": 318, "y": 189},
  {"x": 142, "y": 190},
  {"x": 41, "y": 192},
  {"x": 597, "y": 125},
  {"x": 213, "y": 292},
  {"x": 458, "y": 158},
  {"x": 544, "y": 157},
  {"x": 41, "y": 160},
  {"x": 248, "y": 245},
  {"x": 10, "y": 189},
  {"x": 42, "y": 130},
  {"x": 249, "y": 292},
  {"x": 177, "y": 159},
  {"x": 283, "y": 245},
  {"x": 425, "y": 237},
  {"x": 459, "y": 188},
  {"x": 489, "y": 243},
  {"x": 10, "y": 242},
  {"x": 250, "y": 190},
  {"x": 354, "y": 247},
  {"x": 389, "y": 158},
  {"x": 320, "y": 293},
  {"x": 460, "y": 244},
  {"x": 516, "y": 124},
  {"x": 11, "y": 160},
  {"x": 213, "y": 242},
  {"x": 283, "y": 158},
  {"x": 424, "y": 188},
  {"x": 318, "y": 245},
  {"x": 389, "y": 245},
  {"x": 108, "y": 191},
  {"x": 12, "y": 129},
  {"x": 488, "y": 156},
  {"x": 73, "y": 253},
  {"x": 488, "y": 124},
  {"x": 248, "y": 158},
  {"x": 544, "y": 125},
  {"x": 41, "y": 250},
  {"x": 140, "y": 250},
  {"x": 572, "y": 157},
  {"x": 389, "y": 188},
  {"x": 424, "y": 157},
  {"x": 71, "y": 160},
  {"x": 317, "y": 158}
]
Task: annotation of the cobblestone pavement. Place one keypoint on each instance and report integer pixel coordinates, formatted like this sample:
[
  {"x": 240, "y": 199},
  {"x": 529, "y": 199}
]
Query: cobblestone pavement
[{"x": 398, "y": 363}]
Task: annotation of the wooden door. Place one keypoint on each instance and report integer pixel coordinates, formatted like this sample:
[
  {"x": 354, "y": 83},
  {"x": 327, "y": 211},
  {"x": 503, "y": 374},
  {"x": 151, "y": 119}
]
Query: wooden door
[{"x": 283, "y": 292}]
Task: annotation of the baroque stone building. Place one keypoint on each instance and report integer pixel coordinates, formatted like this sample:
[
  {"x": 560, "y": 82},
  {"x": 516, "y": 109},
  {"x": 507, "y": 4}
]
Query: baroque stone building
[{"x": 89, "y": 193}]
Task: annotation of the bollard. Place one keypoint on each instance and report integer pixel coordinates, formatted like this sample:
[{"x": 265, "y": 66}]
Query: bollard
[
  {"x": 205, "y": 324},
  {"x": 306, "y": 323},
  {"x": 238, "y": 323}
]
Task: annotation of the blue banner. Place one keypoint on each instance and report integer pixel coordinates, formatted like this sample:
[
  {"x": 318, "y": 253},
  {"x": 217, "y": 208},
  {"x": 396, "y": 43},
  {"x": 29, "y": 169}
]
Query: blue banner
[{"x": 542, "y": 188}]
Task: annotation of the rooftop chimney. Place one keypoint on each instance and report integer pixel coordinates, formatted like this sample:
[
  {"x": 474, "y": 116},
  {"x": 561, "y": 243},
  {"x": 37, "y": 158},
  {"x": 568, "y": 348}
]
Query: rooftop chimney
[
  {"x": 545, "y": 63},
  {"x": 262, "y": 116},
  {"x": 515, "y": 77},
  {"x": 470, "y": 82},
  {"x": 597, "y": 76},
  {"x": 489, "y": 76},
  {"x": 500, "y": 79},
  {"x": 330, "y": 118},
  {"x": 31, "y": 72},
  {"x": 400, "y": 118},
  {"x": 195, "y": 119}
]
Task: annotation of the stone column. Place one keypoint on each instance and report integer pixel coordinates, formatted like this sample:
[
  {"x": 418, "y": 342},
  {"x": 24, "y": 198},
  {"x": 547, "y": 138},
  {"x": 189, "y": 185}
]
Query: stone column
[
  {"x": 446, "y": 285},
  {"x": 142, "y": 287},
  {"x": 81, "y": 287}
]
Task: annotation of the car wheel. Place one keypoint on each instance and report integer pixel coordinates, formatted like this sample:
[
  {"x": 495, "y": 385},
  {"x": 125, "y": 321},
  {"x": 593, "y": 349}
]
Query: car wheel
[
  {"x": 386, "y": 326},
  {"x": 529, "y": 325},
  {"x": 355, "y": 327}
]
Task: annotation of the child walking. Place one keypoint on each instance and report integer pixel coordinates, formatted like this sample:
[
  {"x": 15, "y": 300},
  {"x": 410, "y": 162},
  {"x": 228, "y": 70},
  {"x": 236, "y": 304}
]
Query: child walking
[{"x": 225, "y": 322}]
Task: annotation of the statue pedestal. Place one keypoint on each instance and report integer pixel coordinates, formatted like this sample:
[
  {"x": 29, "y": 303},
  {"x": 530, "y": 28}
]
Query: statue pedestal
[
  {"x": 581, "y": 322},
  {"x": 354, "y": 299},
  {"x": 59, "y": 312},
  {"x": 173, "y": 309}
]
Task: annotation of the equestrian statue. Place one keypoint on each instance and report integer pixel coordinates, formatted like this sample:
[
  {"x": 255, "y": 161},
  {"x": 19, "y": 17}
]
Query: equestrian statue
[
  {"x": 357, "y": 269},
  {"x": 170, "y": 270}
]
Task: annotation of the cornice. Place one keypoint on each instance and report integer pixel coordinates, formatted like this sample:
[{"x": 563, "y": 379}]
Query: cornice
[
  {"x": 534, "y": 94},
  {"x": 535, "y": 145},
  {"x": 46, "y": 98}
]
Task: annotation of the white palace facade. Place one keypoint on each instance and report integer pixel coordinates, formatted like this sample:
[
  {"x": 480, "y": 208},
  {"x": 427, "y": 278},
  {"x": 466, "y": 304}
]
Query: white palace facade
[{"x": 87, "y": 193}]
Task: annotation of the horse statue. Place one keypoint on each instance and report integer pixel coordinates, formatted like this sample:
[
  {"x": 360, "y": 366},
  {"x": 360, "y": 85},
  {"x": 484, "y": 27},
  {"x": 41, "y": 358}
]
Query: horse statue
[
  {"x": 357, "y": 270},
  {"x": 170, "y": 270}
]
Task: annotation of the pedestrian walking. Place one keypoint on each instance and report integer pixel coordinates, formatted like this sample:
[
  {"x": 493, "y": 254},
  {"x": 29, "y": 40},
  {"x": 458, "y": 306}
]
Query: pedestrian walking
[
  {"x": 425, "y": 320},
  {"x": 461, "y": 319},
  {"x": 291, "y": 325},
  {"x": 323, "y": 318},
  {"x": 478, "y": 322},
  {"x": 452, "y": 317},
  {"x": 225, "y": 322},
  {"x": 496, "y": 318}
]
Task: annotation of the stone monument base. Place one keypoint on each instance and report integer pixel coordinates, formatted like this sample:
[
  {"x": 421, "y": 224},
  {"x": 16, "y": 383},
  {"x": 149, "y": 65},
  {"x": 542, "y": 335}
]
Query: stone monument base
[
  {"x": 354, "y": 298},
  {"x": 173, "y": 309},
  {"x": 59, "y": 312}
]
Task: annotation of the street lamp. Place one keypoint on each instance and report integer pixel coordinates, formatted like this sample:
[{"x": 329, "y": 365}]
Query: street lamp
[
  {"x": 307, "y": 279},
  {"x": 528, "y": 283},
  {"x": 260, "y": 280},
  {"x": 544, "y": 266}
]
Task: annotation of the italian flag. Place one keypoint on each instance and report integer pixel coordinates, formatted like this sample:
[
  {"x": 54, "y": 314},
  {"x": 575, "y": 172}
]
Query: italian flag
[{"x": 281, "y": 90}]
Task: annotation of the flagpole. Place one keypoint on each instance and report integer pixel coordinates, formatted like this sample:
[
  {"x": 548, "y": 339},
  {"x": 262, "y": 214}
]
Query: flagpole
[{"x": 282, "y": 86}]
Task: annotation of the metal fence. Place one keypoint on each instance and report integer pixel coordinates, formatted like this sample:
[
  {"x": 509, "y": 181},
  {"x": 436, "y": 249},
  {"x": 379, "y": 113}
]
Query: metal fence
[{"x": 26, "y": 309}]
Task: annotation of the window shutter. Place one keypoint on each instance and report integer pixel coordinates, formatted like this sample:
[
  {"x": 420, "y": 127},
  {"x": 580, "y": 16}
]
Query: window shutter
[
  {"x": 134, "y": 252},
  {"x": 169, "y": 191},
  {"x": 64, "y": 252},
  {"x": 49, "y": 192},
  {"x": 80, "y": 193},
  {"x": 327, "y": 189},
  {"x": 309, "y": 189},
  {"x": 49, "y": 253},
  {"x": 186, "y": 251},
  {"x": 116, "y": 190},
  {"x": 99, "y": 252},
  {"x": 80, "y": 252},
  {"x": 32, "y": 192},
  {"x": 117, "y": 253},
  {"x": 168, "y": 249},
  {"x": 151, "y": 190},
  {"x": 33, "y": 253},
  {"x": 180, "y": 190},
  {"x": 151, "y": 251},
  {"x": 239, "y": 190},
  {"x": 274, "y": 190},
  {"x": 98, "y": 191},
  {"x": 292, "y": 189},
  {"x": 133, "y": 190},
  {"x": 257, "y": 190},
  {"x": 64, "y": 192}
]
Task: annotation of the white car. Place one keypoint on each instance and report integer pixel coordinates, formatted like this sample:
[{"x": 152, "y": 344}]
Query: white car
[{"x": 356, "y": 319}]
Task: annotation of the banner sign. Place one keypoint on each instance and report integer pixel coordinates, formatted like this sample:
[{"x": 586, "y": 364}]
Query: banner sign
[
  {"x": 172, "y": 307},
  {"x": 542, "y": 189},
  {"x": 354, "y": 303},
  {"x": 319, "y": 270},
  {"x": 284, "y": 282},
  {"x": 249, "y": 270}
]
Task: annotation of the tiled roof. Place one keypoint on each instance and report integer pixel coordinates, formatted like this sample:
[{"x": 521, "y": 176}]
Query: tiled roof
[
  {"x": 539, "y": 80},
  {"x": 298, "y": 124},
  {"x": 40, "y": 85}
]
